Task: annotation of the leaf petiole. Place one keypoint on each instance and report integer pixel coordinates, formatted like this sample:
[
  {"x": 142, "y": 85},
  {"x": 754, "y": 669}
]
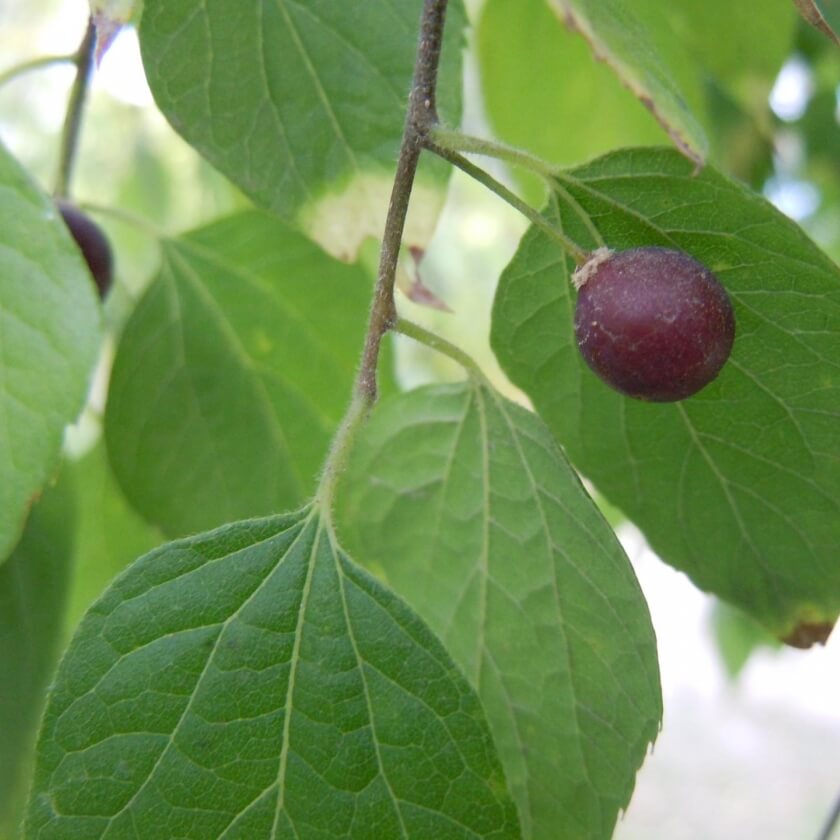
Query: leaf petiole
[
  {"x": 456, "y": 159},
  {"x": 455, "y": 141},
  {"x": 430, "y": 339},
  {"x": 25, "y": 67}
]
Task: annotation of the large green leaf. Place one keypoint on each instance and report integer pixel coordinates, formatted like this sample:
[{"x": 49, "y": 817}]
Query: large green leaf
[
  {"x": 302, "y": 103},
  {"x": 33, "y": 590},
  {"x": 618, "y": 38},
  {"x": 254, "y": 682},
  {"x": 740, "y": 485},
  {"x": 49, "y": 340},
  {"x": 232, "y": 373},
  {"x": 466, "y": 505},
  {"x": 110, "y": 533}
]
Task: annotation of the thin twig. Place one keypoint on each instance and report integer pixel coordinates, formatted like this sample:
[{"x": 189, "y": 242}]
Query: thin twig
[{"x": 75, "y": 107}]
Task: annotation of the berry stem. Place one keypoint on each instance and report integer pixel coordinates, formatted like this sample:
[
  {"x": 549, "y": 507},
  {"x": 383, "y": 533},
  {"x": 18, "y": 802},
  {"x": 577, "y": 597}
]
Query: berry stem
[
  {"x": 75, "y": 107},
  {"x": 456, "y": 159},
  {"x": 34, "y": 64},
  {"x": 430, "y": 339},
  {"x": 455, "y": 141}
]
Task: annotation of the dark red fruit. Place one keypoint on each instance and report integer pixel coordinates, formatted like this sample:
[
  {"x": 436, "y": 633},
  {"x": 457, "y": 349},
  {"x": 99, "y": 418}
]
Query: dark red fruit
[
  {"x": 653, "y": 323},
  {"x": 92, "y": 243}
]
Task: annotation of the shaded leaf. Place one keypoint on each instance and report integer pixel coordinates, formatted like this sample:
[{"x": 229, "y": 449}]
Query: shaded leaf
[
  {"x": 232, "y": 373},
  {"x": 33, "y": 591},
  {"x": 253, "y": 682},
  {"x": 616, "y": 37},
  {"x": 49, "y": 341},
  {"x": 110, "y": 533},
  {"x": 463, "y": 502},
  {"x": 740, "y": 485},
  {"x": 737, "y": 637},
  {"x": 302, "y": 103}
]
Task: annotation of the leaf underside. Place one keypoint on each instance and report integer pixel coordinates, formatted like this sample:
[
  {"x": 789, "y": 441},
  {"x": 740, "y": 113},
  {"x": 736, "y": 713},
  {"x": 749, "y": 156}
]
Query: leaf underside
[
  {"x": 462, "y": 501},
  {"x": 248, "y": 326}
]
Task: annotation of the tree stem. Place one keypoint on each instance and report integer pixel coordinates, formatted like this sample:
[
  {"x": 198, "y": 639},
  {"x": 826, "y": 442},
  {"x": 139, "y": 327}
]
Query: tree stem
[
  {"x": 421, "y": 116},
  {"x": 75, "y": 107},
  {"x": 577, "y": 253}
]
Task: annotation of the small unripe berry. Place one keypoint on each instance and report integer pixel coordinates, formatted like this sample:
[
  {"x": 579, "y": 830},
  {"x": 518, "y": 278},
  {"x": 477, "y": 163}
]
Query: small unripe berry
[
  {"x": 653, "y": 323},
  {"x": 92, "y": 243}
]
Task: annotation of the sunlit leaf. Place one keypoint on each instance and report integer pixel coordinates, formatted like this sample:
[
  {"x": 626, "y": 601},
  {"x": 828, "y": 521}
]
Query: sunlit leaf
[{"x": 302, "y": 104}]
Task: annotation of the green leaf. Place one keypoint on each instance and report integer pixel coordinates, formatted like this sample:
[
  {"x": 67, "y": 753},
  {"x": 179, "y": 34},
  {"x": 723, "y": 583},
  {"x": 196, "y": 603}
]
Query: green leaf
[
  {"x": 33, "y": 590},
  {"x": 463, "y": 502},
  {"x": 254, "y": 682},
  {"x": 616, "y": 37},
  {"x": 737, "y": 637},
  {"x": 738, "y": 486},
  {"x": 49, "y": 341},
  {"x": 302, "y": 103},
  {"x": 110, "y": 533},
  {"x": 540, "y": 86},
  {"x": 232, "y": 374}
]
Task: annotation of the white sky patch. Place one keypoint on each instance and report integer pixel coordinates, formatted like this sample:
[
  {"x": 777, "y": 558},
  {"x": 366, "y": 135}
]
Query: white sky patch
[
  {"x": 121, "y": 73},
  {"x": 795, "y": 198},
  {"x": 792, "y": 90},
  {"x": 480, "y": 229}
]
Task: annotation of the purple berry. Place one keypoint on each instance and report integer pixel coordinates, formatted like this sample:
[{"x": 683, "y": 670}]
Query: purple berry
[
  {"x": 92, "y": 243},
  {"x": 653, "y": 323}
]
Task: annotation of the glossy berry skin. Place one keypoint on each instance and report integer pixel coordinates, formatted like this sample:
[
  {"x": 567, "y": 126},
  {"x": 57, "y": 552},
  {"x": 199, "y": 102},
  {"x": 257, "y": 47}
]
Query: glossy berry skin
[
  {"x": 92, "y": 243},
  {"x": 653, "y": 323}
]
